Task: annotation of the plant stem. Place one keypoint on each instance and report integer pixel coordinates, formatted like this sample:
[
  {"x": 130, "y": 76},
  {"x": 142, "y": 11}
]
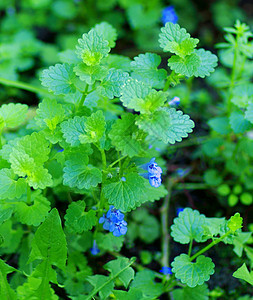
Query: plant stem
[
  {"x": 116, "y": 161},
  {"x": 28, "y": 193},
  {"x": 192, "y": 186},
  {"x": 24, "y": 86},
  {"x": 215, "y": 242},
  {"x": 165, "y": 226},
  {"x": 190, "y": 248},
  {"x": 85, "y": 93},
  {"x": 101, "y": 201}
]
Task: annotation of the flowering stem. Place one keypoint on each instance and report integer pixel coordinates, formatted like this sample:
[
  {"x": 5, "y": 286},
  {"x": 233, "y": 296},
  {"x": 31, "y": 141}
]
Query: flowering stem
[
  {"x": 24, "y": 86},
  {"x": 165, "y": 227},
  {"x": 215, "y": 242}
]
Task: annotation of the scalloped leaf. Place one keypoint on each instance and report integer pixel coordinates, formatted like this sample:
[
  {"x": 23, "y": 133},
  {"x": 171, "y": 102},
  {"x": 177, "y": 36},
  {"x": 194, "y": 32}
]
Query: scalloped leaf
[
  {"x": 13, "y": 114},
  {"x": 166, "y": 124},
  {"x": 188, "y": 226},
  {"x": 192, "y": 273}
]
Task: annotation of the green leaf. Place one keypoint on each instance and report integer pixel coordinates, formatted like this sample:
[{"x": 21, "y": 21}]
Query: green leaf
[
  {"x": 78, "y": 174},
  {"x": 32, "y": 214},
  {"x": 176, "y": 40},
  {"x": 104, "y": 285},
  {"x": 12, "y": 114},
  {"x": 115, "y": 266},
  {"x": 49, "y": 114},
  {"x": 90, "y": 74},
  {"x": 144, "y": 68},
  {"x": 129, "y": 194},
  {"x": 59, "y": 79},
  {"x": 126, "y": 136},
  {"x": 166, "y": 124},
  {"x": 108, "y": 32},
  {"x": 188, "y": 226},
  {"x": 249, "y": 113},
  {"x": 5, "y": 290},
  {"x": 132, "y": 294},
  {"x": 200, "y": 292},
  {"x": 10, "y": 186},
  {"x": 94, "y": 128},
  {"x": 77, "y": 220},
  {"x": 238, "y": 123},
  {"x": 220, "y": 125},
  {"x": 49, "y": 242},
  {"x": 192, "y": 273},
  {"x": 92, "y": 48},
  {"x": 235, "y": 222},
  {"x": 109, "y": 242},
  {"x": 72, "y": 129},
  {"x": 145, "y": 281},
  {"x": 244, "y": 274},
  {"x": 240, "y": 241},
  {"x": 212, "y": 177},
  {"x": 199, "y": 64},
  {"x": 5, "y": 214},
  {"x": 111, "y": 85}
]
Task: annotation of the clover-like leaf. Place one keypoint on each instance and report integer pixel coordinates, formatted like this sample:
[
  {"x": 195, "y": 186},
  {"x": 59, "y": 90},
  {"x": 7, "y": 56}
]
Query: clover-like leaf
[
  {"x": 188, "y": 226},
  {"x": 59, "y": 79},
  {"x": 145, "y": 68},
  {"x": 176, "y": 40},
  {"x": 77, "y": 220},
  {"x": 235, "y": 222},
  {"x": 92, "y": 48},
  {"x": 192, "y": 273},
  {"x": 166, "y": 124}
]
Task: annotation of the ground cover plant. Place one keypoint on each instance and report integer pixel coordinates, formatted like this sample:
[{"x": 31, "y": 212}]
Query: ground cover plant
[{"x": 123, "y": 180}]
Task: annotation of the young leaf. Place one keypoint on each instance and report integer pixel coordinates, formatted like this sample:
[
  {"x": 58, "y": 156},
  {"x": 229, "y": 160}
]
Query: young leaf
[
  {"x": 109, "y": 242},
  {"x": 12, "y": 114},
  {"x": 144, "y": 68},
  {"x": 176, "y": 40},
  {"x": 192, "y": 273},
  {"x": 90, "y": 74},
  {"x": 126, "y": 136},
  {"x": 49, "y": 242},
  {"x": 77, "y": 220},
  {"x": 111, "y": 85},
  {"x": 92, "y": 48},
  {"x": 94, "y": 128},
  {"x": 188, "y": 226},
  {"x": 59, "y": 79},
  {"x": 235, "y": 222},
  {"x": 5, "y": 290},
  {"x": 49, "y": 114},
  {"x": 78, "y": 174},
  {"x": 166, "y": 124},
  {"x": 10, "y": 186},
  {"x": 32, "y": 214},
  {"x": 108, "y": 32},
  {"x": 243, "y": 273}
]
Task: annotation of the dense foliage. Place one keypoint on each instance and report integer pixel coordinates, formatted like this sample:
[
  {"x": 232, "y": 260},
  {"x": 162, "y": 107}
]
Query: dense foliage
[{"x": 120, "y": 183}]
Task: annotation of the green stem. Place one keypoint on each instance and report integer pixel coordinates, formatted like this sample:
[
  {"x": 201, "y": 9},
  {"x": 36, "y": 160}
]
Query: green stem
[
  {"x": 28, "y": 193},
  {"x": 191, "y": 186},
  {"x": 85, "y": 93},
  {"x": 24, "y": 86},
  {"x": 116, "y": 161},
  {"x": 102, "y": 198},
  {"x": 215, "y": 242},
  {"x": 165, "y": 227},
  {"x": 190, "y": 248}
]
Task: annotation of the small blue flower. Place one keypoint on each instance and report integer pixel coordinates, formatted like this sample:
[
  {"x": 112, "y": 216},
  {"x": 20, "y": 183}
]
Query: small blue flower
[
  {"x": 175, "y": 101},
  {"x": 166, "y": 270},
  {"x": 169, "y": 15},
  {"x": 114, "y": 221},
  {"x": 94, "y": 250},
  {"x": 182, "y": 172},
  {"x": 155, "y": 180},
  {"x": 123, "y": 178},
  {"x": 179, "y": 210},
  {"x": 60, "y": 150}
]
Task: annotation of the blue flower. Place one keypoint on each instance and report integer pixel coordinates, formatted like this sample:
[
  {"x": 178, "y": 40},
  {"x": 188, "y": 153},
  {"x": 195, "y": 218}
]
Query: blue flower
[
  {"x": 179, "y": 210},
  {"x": 94, "y": 250},
  {"x": 154, "y": 173},
  {"x": 61, "y": 150},
  {"x": 155, "y": 180},
  {"x": 169, "y": 15},
  {"x": 166, "y": 270},
  {"x": 114, "y": 221},
  {"x": 123, "y": 178},
  {"x": 175, "y": 101},
  {"x": 182, "y": 172}
]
